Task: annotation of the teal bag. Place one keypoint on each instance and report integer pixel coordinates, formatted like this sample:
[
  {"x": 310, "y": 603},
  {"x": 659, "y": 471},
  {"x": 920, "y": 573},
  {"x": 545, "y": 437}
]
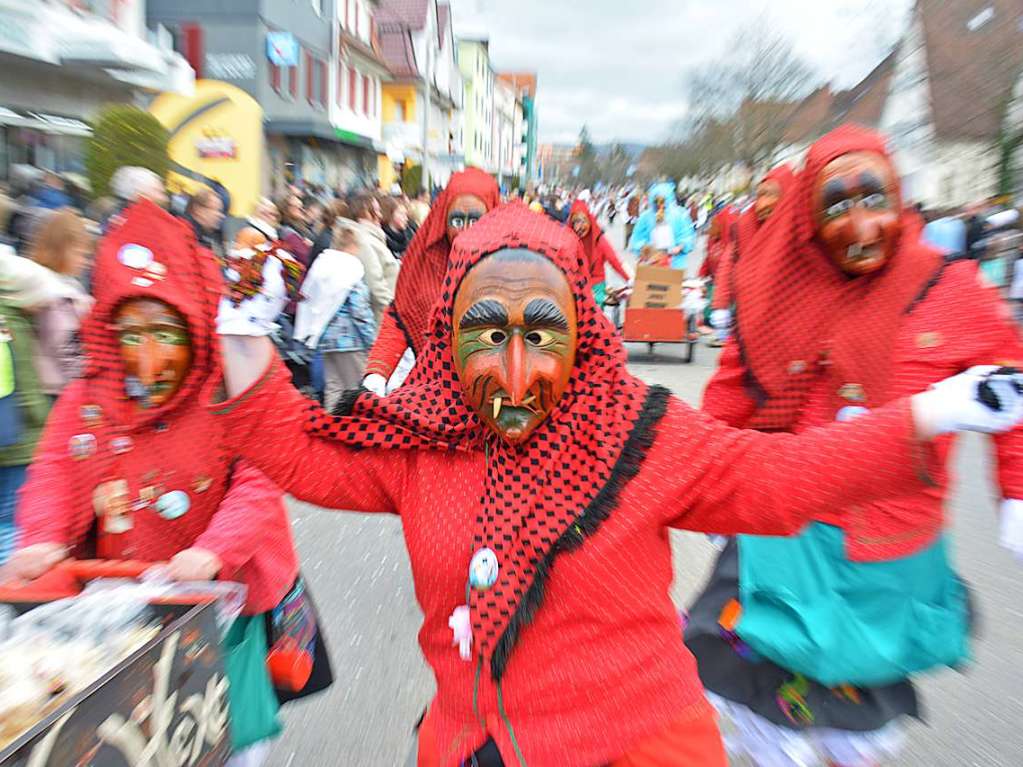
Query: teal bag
[
  {"x": 810, "y": 610},
  {"x": 253, "y": 702}
]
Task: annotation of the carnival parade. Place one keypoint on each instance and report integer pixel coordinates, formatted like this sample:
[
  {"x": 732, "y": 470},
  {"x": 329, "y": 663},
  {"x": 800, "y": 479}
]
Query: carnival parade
[{"x": 352, "y": 414}]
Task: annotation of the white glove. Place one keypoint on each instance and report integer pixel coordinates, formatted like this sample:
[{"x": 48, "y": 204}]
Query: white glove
[
  {"x": 1010, "y": 534},
  {"x": 983, "y": 399},
  {"x": 720, "y": 319},
  {"x": 240, "y": 314},
  {"x": 375, "y": 383}
]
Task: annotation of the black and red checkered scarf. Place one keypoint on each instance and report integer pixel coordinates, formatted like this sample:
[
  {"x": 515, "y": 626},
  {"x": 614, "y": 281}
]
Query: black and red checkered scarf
[
  {"x": 548, "y": 495},
  {"x": 426, "y": 261}
]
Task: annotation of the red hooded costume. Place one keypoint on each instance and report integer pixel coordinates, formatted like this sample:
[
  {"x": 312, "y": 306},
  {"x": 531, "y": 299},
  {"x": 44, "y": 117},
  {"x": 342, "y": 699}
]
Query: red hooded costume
[
  {"x": 596, "y": 247},
  {"x": 422, "y": 268},
  {"x": 810, "y": 340},
  {"x": 171, "y": 458},
  {"x": 742, "y": 229},
  {"x": 578, "y": 656}
]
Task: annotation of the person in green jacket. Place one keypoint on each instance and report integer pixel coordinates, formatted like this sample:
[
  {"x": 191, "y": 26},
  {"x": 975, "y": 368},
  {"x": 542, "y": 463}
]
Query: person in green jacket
[{"x": 23, "y": 411}]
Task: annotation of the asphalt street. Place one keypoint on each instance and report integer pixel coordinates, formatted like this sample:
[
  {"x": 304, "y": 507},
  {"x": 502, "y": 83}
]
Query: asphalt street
[{"x": 359, "y": 573}]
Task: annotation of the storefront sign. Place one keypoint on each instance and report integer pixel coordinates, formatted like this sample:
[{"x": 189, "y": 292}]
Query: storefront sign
[
  {"x": 230, "y": 66},
  {"x": 282, "y": 49},
  {"x": 216, "y": 137},
  {"x": 216, "y": 146}
]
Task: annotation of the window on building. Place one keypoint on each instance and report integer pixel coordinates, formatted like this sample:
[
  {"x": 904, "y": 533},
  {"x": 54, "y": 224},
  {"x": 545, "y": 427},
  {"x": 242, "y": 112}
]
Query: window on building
[
  {"x": 310, "y": 77},
  {"x": 275, "y": 77},
  {"x": 293, "y": 80},
  {"x": 324, "y": 82},
  {"x": 365, "y": 95},
  {"x": 353, "y": 84},
  {"x": 400, "y": 111},
  {"x": 340, "y": 82},
  {"x": 348, "y": 17},
  {"x": 358, "y": 13}
]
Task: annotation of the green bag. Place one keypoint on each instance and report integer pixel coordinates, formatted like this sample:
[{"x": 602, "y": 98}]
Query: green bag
[
  {"x": 254, "y": 705},
  {"x": 809, "y": 609}
]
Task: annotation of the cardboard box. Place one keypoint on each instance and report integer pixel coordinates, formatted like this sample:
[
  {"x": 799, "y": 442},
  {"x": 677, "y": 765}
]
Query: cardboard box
[{"x": 660, "y": 277}]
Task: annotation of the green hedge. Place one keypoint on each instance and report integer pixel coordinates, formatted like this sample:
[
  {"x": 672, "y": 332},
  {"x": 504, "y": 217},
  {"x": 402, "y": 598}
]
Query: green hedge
[{"x": 124, "y": 135}]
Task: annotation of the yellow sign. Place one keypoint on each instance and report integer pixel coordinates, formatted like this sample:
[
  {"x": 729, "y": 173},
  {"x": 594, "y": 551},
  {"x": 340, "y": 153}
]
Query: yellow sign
[{"x": 216, "y": 139}]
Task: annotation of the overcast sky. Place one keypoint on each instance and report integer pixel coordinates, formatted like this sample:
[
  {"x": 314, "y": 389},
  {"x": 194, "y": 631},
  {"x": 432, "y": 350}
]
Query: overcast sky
[{"x": 619, "y": 66}]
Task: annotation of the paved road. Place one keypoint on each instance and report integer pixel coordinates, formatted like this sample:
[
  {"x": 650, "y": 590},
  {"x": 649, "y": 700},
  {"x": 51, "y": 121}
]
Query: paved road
[{"x": 359, "y": 572}]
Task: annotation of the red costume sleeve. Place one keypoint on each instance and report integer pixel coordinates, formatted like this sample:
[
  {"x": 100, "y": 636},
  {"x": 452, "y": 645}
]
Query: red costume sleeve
[
  {"x": 723, "y": 280},
  {"x": 388, "y": 348},
  {"x": 251, "y": 518},
  {"x": 266, "y": 426},
  {"x": 747, "y": 482},
  {"x": 993, "y": 322},
  {"x": 607, "y": 254},
  {"x": 45, "y": 504},
  {"x": 726, "y": 397}
]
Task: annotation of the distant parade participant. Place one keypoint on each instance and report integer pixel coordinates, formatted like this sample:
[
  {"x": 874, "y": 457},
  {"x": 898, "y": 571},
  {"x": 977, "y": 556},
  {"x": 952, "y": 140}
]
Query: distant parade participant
[
  {"x": 740, "y": 231},
  {"x": 536, "y": 479},
  {"x": 467, "y": 197},
  {"x": 597, "y": 249},
  {"x": 808, "y": 645},
  {"x": 663, "y": 235},
  {"x": 132, "y": 466}
]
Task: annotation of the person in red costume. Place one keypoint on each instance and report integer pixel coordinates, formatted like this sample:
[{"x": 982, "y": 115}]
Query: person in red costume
[
  {"x": 597, "y": 249},
  {"x": 720, "y": 252},
  {"x": 741, "y": 230},
  {"x": 536, "y": 480},
  {"x": 809, "y": 644},
  {"x": 468, "y": 195},
  {"x": 130, "y": 465}
]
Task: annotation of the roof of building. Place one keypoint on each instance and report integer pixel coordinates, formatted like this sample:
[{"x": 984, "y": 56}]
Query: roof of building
[
  {"x": 397, "y": 51},
  {"x": 974, "y": 56},
  {"x": 520, "y": 81},
  {"x": 443, "y": 19},
  {"x": 411, "y": 12}
]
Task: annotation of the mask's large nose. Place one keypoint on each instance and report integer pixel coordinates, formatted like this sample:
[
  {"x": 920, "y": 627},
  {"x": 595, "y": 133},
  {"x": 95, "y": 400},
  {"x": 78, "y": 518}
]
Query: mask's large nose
[
  {"x": 518, "y": 372},
  {"x": 149, "y": 363},
  {"x": 864, "y": 227}
]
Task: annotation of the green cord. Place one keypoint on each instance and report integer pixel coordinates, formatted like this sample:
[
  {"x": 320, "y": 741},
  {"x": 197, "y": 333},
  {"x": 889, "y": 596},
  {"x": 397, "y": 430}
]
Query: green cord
[
  {"x": 508, "y": 726},
  {"x": 476, "y": 693}
]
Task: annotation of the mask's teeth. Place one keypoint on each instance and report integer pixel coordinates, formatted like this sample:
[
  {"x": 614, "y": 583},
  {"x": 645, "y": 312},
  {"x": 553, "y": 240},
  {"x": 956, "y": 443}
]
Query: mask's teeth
[
  {"x": 530, "y": 398},
  {"x": 497, "y": 407},
  {"x": 855, "y": 251}
]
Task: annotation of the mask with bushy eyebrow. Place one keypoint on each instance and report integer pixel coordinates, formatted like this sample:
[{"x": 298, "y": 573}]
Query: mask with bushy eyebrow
[{"x": 515, "y": 340}]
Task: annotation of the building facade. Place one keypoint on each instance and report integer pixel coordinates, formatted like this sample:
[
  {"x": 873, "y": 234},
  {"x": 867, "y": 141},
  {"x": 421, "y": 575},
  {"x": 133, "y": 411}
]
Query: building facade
[
  {"x": 422, "y": 105},
  {"x": 524, "y": 84},
  {"x": 478, "y": 114},
  {"x": 505, "y": 128},
  {"x": 62, "y": 60},
  {"x": 310, "y": 64}
]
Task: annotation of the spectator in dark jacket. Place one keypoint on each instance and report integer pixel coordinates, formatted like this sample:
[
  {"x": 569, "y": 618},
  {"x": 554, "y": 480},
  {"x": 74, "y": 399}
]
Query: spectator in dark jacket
[
  {"x": 396, "y": 226},
  {"x": 205, "y": 212}
]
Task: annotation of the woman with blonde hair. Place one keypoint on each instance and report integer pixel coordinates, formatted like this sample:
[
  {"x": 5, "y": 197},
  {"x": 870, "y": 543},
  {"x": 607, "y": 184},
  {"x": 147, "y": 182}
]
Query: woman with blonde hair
[{"x": 62, "y": 244}]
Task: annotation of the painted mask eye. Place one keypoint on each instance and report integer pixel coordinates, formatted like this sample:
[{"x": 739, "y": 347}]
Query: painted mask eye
[
  {"x": 840, "y": 208},
  {"x": 130, "y": 338},
  {"x": 875, "y": 201},
  {"x": 539, "y": 338},
  {"x": 493, "y": 337},
  {"x": 171, "y": 337}
]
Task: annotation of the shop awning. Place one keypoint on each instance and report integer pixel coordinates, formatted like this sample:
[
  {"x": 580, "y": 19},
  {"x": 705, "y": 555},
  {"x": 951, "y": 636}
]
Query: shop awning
[
  {"x": 43, "y": 121},
  {"x": 320, "y": 130}
]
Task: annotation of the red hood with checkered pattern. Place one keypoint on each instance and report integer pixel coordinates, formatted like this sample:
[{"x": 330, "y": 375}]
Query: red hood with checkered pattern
[{"x": 547, "y": 495}]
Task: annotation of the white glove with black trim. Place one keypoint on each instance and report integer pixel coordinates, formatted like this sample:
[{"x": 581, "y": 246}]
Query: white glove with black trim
[
  {"x": 1010, "y": 534},
  {"x": 720, "y": 319},
  {"x": 986, "y": 398},
  {"x": 375, "y": 383}
]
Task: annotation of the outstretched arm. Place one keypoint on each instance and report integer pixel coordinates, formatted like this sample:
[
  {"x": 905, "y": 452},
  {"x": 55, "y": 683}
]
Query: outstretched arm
[{"x": 740, "y": 481}]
